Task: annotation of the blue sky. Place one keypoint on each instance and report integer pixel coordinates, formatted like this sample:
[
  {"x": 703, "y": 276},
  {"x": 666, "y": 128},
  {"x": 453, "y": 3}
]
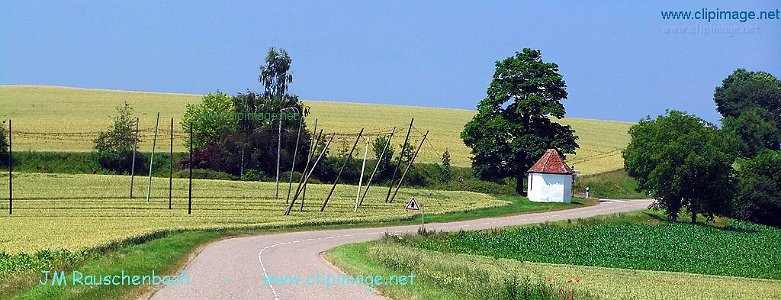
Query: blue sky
[{"x": 620, "y": 61}]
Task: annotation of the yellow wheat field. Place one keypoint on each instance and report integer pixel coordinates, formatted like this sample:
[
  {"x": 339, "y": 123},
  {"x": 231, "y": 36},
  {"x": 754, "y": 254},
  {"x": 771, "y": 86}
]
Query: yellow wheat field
[{"x": 68, "y": 119}]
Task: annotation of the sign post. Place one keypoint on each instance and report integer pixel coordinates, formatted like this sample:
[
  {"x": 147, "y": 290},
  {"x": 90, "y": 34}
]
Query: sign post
[{"x": 413, "y": 205}]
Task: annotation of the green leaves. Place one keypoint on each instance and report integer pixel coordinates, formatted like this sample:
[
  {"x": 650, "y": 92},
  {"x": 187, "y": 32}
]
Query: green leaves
[
  {"x": 205, "y": 127},
  {"x": 679, "y": 158},
  {"x": 751, "y": 105},
  {"x": 512, "y": 128},
  {"x": 759, "y": 189},
  {"x": 120, "y": 137}
]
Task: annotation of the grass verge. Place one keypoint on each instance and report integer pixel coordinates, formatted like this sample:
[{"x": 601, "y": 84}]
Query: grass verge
[{"x": 609, "y": 185}]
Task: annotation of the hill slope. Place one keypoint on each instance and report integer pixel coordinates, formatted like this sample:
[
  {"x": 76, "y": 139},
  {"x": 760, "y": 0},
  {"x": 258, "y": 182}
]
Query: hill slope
[{"x": 68, "y": 119}]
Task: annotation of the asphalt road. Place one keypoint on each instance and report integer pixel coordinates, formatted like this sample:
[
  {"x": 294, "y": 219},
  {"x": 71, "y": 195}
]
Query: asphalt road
[{"x": 247, "y": 267}]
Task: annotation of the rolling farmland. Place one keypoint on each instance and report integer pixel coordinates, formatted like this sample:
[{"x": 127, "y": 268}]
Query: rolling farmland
[
  {"x": 81, "y": 211},
  {"x": 54, "y": 119}
]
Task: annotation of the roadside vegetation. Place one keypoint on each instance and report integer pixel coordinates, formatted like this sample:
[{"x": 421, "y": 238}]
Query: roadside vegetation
[{"x": 609, "y": 185}]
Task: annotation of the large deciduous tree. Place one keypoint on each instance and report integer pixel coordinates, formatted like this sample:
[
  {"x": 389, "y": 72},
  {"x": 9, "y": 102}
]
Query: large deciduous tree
[
  {"x": 513, "y": 126},
  {"x": 750, "y": 103},
  {"x": 683, "y": 162}
]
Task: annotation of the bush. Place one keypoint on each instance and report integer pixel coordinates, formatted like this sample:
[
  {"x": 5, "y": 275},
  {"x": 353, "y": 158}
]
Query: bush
[
  {"x": 55, "y": 162},
  {"x": 253, "y": 175},
  {"x": 285, "y": 176},
  {"x": 120, "y": 162},
  {"x": 204, "y": 174}
]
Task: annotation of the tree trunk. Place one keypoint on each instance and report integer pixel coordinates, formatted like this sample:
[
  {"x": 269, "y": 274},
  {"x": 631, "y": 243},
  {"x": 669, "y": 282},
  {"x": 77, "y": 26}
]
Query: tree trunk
[
  {"x": 519, "y": 185},
  {"x": 694, "y": 217}
]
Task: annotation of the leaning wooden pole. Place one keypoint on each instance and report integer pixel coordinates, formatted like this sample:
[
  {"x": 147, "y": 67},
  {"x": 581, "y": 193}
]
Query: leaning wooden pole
[
  {"x": 409, "y": 165},
  {"x": 306, "y": 178},
  {"x": 133, "y": 163},
  {"x": 379, "y": 159},
  {"x": 190, "y": 166},
  {"x": 152, "y": 159},
  {"x": 293, "y": 167},
  {"x": 279, "y": 147},
  {"x": 344, "y": 164},
  {"x": 10, "y": 170},
  {"x": 311, "y": 150},
  {"x": 398, "y": 165},
  {"x": 360, "y": 179},
  {"x": 171, "y": 167}
]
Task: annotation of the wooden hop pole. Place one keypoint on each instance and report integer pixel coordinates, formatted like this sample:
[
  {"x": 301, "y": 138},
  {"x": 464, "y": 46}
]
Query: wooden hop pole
[
  {"x": 171, "y": 167},
  {"x": 293, "y": 167},
  {"x": 360, "y": 179},
  {"x": 10, "y": 170},
  {"x": 152, "y": 159},
  {"x": 308, "y": 158},
  {"x": 398, "y": 165},
  {"x": 306, "y": 178},
  {"x": 133, "y": 163},
  {"x": 369, "y": 183},
  {"x": 279, "y": 147},
  {"x": 190, "y": 166},
  {"x": 409, "y": 165},
  {"x": 348, "y": 158}
]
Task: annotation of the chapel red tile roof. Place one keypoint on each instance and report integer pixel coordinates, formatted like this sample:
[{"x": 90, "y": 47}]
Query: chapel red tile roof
[{"x": 551, "y": 163}]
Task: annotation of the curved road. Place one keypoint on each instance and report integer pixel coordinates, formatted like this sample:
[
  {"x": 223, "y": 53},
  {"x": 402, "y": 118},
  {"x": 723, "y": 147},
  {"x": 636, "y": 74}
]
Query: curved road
[{"x": 241, "y": 268}]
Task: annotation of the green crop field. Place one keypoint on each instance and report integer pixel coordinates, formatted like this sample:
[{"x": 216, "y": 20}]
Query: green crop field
[
  {"x": 745, "y": 250},
  {"x": 82, "y": 211},
  {"x": 464, "y": 276},
  {"x": 68, "y": 119},
  {"x": 624, "y": 256}
]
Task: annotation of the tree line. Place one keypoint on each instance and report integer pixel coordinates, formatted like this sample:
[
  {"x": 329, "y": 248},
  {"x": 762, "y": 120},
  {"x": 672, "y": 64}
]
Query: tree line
[
  {"x": 274, "y": 128},
  {"x": 689, "y": 164}
]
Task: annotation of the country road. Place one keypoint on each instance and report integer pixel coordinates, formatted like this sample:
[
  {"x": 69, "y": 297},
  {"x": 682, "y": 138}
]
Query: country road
[{"x": 237, "y": 268}]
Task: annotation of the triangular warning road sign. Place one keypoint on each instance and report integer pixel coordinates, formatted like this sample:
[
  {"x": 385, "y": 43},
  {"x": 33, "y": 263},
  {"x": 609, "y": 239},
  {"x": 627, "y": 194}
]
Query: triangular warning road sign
[{"x": 412, "y": 204}]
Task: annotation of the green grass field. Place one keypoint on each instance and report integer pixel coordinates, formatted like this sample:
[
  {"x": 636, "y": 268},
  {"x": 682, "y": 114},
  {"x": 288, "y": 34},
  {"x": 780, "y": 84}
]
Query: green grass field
[
  {"x": 85, "y": 211},
  {"x": 477, "y": 265},
  {"x": 68, "y": 119}
]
